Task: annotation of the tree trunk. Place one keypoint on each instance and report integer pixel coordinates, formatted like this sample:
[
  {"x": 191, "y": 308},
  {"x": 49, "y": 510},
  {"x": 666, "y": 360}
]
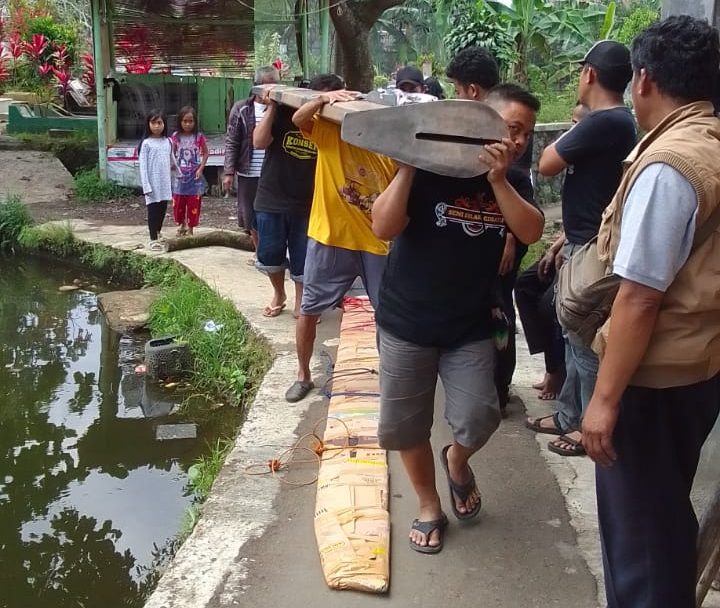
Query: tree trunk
[{"x": 353, "y": 21}]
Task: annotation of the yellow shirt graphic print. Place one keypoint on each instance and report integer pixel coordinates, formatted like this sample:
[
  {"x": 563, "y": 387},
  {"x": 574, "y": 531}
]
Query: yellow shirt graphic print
[
  {"x": 298, "y": 146},
  {"x": 347, "y": 182}
]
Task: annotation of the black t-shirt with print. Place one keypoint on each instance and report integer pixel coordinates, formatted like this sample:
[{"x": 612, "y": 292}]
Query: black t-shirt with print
[
  {"x": 288, "y": 172},
  {"x": 594, "y": 150},
  {"x": 437, "y": 286}
]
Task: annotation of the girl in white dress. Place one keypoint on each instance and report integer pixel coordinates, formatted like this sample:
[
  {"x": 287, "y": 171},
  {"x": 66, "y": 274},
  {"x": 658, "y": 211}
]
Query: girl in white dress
[{"x": 156, "y": 164}]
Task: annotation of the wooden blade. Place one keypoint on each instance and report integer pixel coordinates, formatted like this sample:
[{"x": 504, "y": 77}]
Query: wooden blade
[{"x": 443, "y": 137}]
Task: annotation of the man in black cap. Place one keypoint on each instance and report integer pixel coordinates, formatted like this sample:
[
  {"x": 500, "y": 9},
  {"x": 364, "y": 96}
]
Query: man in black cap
[
  {"x": 592, "y": 152},
  {"x": 409, "y": 79}
]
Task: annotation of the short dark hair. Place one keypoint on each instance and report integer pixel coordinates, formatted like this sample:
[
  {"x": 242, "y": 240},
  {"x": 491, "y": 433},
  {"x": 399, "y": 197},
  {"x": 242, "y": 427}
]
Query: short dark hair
[
  {"x": 474, "y": 65},
  {"x": 511, "y": 92},
  {"x": 326, "y": 82},
  {"x": 681, "y": 55},
  {"x": 433, "y": 87},
  {"x": 614, "y": 80}
]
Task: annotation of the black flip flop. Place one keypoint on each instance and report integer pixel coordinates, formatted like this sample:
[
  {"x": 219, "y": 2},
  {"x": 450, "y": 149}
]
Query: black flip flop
[
  {"x": 460, "y": 490},
  {"x": 427, "y": 528},
  {"x": 577, "y": 448},
  {"x": 535, "y": 425}
]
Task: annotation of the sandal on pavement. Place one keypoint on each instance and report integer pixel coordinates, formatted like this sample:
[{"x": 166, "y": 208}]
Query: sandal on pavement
[
  {"x": 273, "y": 311},
  {"x": 155, "y": 246},
  {"x": 576, "y": 447},
  {"x": 427, "y": 528},
  {"x": 298, "y": 391},
  {"x": 461, "y": 491},
  {"x": 535, "y": 424}
]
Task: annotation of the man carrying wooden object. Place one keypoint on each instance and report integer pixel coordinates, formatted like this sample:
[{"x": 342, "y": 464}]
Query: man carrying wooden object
[
  {"x": 434, "y": 317},
  {"x": 341, "y": 244}
]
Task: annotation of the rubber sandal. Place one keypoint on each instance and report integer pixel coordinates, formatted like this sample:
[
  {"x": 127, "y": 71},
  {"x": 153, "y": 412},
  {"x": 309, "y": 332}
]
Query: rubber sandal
[
  {"x": 576, "y": 448},
  {"x": 155, "y": 246},
  {"x": 273, "y": 311},
  {"x": 460, "y": 490},
  {"x": 298, "y": 391},
  {"x": 427, "y": 528},
  {"x": 535, "y": 425}
]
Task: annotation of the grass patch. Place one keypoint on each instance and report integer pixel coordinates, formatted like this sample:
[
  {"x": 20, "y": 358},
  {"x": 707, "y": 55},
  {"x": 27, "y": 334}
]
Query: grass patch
[
  {"x": 89, "y": 187},
  {"x": 228, "y": 362},
  {"x": 14, "y": 219},
  {"x": 203, "y": 473}
]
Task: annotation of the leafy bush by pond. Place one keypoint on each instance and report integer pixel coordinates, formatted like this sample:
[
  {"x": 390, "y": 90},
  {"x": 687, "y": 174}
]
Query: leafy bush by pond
[
  {"x": 89, "y": 187},
  {"x": 14, "y": 218}
]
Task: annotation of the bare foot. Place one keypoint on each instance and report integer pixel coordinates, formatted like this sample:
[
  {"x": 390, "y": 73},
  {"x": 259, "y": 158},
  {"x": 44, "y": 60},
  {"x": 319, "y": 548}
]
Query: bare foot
[{"x": 553, "y": 385}]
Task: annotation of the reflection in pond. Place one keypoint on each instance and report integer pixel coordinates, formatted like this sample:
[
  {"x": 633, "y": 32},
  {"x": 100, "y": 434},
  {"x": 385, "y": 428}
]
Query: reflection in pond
[{"x": 89, "y": 501}]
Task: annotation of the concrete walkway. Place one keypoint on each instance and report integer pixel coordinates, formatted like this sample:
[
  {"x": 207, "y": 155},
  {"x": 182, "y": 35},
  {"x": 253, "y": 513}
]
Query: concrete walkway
[{"x": 534, "y": 545}]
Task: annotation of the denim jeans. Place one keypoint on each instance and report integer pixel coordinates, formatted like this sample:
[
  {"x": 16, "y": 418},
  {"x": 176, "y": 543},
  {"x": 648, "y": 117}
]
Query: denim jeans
[
  {"x": 581, "y": 366},
  {"x": 282, "y": 236}
]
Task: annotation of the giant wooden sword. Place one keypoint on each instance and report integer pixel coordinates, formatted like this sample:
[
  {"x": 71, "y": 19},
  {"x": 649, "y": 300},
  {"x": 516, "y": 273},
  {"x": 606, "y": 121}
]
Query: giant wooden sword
[{"x": 443, "y": 137}]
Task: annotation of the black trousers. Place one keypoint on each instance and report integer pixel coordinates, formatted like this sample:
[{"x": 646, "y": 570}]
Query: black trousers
[
  {"x": 155, "y": 217},
  {"x": 648, "y": 528},
  {"x": 505, "y": 359},
  {"x": 537, "y": 312}
]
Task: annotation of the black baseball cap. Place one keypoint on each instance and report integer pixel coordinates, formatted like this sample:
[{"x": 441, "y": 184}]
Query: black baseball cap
[
  {"x": 611, "y": 61},
  {"x": 410, "y": 74},
  {"x": 608, "y": 55}
]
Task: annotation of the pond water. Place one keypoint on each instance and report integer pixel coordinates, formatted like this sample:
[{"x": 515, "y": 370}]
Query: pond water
[{"x": 90, "y": 501}]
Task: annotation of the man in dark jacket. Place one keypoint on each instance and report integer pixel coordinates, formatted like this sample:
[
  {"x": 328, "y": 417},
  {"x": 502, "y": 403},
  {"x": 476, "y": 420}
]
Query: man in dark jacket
[{"x": 241, "y": 157}]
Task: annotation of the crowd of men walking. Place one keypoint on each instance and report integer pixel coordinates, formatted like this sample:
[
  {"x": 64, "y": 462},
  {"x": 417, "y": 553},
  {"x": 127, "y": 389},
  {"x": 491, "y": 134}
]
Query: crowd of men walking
[{"x": 639, "y": 399}]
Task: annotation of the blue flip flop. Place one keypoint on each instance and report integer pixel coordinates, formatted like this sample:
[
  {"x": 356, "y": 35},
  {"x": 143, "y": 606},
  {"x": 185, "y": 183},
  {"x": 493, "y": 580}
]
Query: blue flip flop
[{"x": 460, "y": 490}]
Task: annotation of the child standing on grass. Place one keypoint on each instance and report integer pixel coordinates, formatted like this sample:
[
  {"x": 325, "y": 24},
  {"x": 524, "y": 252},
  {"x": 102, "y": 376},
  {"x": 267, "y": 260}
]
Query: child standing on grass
[
  {"x": 156, "y": 164},
  {"x": 191, "y": 154}
]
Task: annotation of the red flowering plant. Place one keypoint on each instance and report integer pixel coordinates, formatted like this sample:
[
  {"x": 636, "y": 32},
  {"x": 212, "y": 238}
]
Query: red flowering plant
[
  {"x": 88, "y": 73},
  {"x": 37, "y": 45},
  {"x": 45, "y": 69},
  {"x": 62, "y": 81},
  {"x": 61, "y": 58},
  {"x": 4, "y": 74}
]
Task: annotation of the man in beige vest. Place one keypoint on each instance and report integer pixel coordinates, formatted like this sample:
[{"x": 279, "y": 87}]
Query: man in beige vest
[{"x": 657, "y": 394}]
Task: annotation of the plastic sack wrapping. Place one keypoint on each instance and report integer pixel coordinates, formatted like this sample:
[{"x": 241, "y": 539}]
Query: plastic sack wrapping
[{"x": 352, "y": 521}]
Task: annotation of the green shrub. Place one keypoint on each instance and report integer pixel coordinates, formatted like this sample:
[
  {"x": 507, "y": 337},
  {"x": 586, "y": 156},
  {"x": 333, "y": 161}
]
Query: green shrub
[
  {"x": 637, "y": 20},
  {"x": 56, "y": 33},
  {"x": 89, "y": 187},
  {"x": 14, "y": 218},
  {"x": 57, "y": 239}
]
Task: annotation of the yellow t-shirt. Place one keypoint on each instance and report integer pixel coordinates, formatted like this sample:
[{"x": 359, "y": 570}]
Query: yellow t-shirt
[{"x": 347, "y": 182}]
